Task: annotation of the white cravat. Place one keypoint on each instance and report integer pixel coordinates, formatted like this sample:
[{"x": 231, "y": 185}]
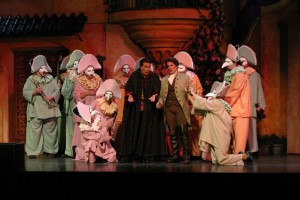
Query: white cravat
[{"x": 171, "y": 78}]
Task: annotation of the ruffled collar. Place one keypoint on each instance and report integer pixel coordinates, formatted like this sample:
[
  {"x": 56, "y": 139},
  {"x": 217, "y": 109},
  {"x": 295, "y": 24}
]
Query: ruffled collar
[
  {"x": 90, "y": 84},
  {"x": 121, "y": 80},
  {"x": 226, "y": 106},
  {"x": 106, "y": 108},
  {"x": 229, "y": 74},
  {"x": 94, "y": 126},
  {"x": 40, "y": 81}
]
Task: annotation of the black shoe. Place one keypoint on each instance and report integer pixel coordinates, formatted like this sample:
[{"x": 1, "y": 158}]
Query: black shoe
[
  {"x": 174, "y": 159},
  {"x": 254, "y": 154},
  {"x": 196, "y": 157},
  {"x": 66, "y": 156},
  {"x": 249, "y": 160},
  {"x": 32, "y": 156},
  {"x": 74, "y": 151},
  {"x": 186, "y": 161},
  {"x": 50, "y": 155},
  {"x": 100, "y": 160}
]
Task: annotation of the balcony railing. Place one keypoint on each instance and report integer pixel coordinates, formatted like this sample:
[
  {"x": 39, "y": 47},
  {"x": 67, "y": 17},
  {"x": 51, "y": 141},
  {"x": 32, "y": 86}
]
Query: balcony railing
[{"x": 122, "y": 5}]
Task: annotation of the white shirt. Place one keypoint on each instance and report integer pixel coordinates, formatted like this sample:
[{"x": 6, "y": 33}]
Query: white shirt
[{"x": 171, "y": 78}]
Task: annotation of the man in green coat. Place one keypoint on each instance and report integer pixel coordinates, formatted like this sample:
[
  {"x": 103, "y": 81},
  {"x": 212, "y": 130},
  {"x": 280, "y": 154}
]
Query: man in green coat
[
  {"x": 41, "y": 92},
  {"x": 174, "y": 99}
]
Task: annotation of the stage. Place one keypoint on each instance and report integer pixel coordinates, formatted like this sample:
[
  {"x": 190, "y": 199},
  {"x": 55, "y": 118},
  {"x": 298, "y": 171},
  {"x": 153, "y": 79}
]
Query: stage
[
  {"x": 272, "y": 175},
  {"x": 261, "y": 164}
]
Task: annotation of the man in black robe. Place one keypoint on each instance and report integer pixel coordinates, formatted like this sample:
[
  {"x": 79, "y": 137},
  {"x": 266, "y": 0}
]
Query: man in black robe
[{"x": 141, "y": 136}]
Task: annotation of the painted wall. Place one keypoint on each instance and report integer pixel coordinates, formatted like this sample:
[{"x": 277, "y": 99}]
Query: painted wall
[
  {"x": 281, "y": 68},
  {"x": 111, "y": 41},
  {"x": 97, "y": 37}
]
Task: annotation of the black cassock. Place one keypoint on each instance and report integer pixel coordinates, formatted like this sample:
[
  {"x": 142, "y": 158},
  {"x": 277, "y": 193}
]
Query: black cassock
[{"x": 142, "y": 133}]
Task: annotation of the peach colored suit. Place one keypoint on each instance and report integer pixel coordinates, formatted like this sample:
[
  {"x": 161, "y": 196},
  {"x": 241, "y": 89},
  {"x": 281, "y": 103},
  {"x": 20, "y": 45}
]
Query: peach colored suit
[{"x": 239, "y": 98}]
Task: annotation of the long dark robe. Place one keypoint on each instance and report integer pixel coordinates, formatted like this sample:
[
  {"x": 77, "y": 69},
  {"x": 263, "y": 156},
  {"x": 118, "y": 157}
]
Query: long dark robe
[{"x": 142, "y": 133}]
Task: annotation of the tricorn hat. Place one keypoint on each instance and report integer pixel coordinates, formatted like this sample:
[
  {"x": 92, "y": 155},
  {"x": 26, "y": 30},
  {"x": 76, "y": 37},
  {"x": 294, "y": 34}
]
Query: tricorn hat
[
  {"x": 38, "y": 62},
  {"x": 124, "y": 60},
  {"x": 63, "y": 64},
  {"x": 185, "y": 59},
  {"x": 86, "y": 61},
  {"x": 76, "y": 55},
  {"x": 109, "y": 85},
  {"x": 246, "y": 52},
  {"x": 231, "y": 55}
]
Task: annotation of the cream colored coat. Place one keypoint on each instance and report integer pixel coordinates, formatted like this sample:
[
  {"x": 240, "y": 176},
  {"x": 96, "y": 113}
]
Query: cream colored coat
[
  {"x": 216, "y": 131},
  {"x": 217, "y": 123}
]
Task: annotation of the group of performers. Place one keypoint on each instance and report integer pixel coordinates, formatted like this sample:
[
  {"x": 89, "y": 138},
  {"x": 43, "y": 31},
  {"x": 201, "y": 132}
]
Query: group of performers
[{"x": 139, "y": 116}]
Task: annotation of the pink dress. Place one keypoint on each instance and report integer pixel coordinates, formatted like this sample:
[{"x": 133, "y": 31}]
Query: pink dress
[
  {"x": 82, "y": 85},
  {"x": 96, "y": 141}
]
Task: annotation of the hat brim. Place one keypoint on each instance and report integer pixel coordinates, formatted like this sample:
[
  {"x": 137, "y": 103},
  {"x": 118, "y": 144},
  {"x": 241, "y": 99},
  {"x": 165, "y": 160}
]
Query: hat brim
[
  {"x": 83, "y": 111},
  {"x": 86, "y": 61},
  {"x": 185, "y": 59},
  {"x": 124, "y": 60},
  {"x": 109, "y": 85}
]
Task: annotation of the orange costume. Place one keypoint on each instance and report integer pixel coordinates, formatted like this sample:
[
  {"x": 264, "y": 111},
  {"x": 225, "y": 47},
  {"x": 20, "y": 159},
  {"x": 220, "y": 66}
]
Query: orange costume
[{"x": 239, "y": 98}]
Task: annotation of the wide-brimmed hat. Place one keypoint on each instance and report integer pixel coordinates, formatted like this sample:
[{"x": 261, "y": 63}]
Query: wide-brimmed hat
[
  {"x": 124, "y": 60},
  {"x": 185, "y": 59},
  {"x": 84, "y": 111},
  {"x": 63, "y": 64},
  {"x": 38, "y": 62},
  {"x": 137, "y": 65},
  {"x": 246, "y": 52},
  {"x": 231, "y": 54},
  {"x": 109, "y": 85},
  {"x": 218, "y": 89},
  {"x": 76, "y": 55},
  {"x": 86, "y": 61}
]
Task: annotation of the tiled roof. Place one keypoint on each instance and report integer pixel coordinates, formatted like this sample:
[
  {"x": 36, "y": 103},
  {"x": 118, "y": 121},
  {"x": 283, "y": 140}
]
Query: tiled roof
[{"x": 41, "y": 25}]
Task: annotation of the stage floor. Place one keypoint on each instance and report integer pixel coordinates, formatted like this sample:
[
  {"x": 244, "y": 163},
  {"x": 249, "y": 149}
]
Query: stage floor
[
  {"x": 261, "y": 164},
  {"x": 269, "y": 176}
]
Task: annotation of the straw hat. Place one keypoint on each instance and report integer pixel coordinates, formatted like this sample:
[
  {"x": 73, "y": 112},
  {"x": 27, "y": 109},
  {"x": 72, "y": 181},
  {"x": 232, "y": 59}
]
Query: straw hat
[
  {"x": 109, "y": 85},
  {"x": 185, "y": 59},
  {"x": 38, "y": 62},
  {"x": 124, "y": 60},
  {"x": 86, "y": 61}
]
